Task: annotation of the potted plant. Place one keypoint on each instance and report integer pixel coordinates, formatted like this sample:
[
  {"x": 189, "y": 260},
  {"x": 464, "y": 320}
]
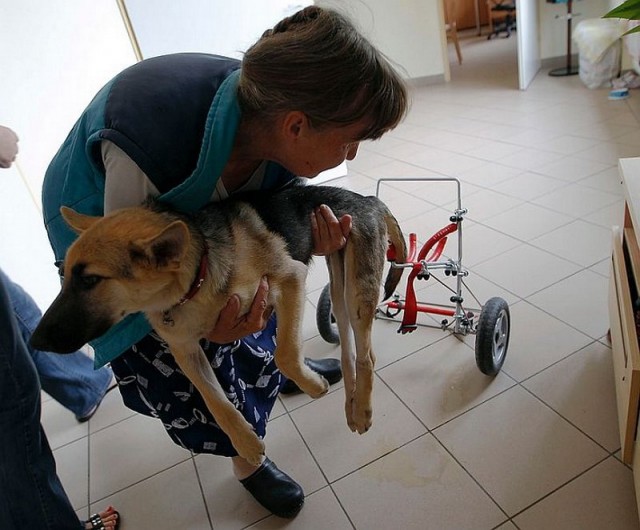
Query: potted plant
[{"x": 629, "y": 10}]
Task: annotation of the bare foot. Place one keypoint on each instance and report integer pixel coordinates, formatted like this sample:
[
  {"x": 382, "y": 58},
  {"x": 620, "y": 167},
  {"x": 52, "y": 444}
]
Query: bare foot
[{"x": 109, "y": 519}]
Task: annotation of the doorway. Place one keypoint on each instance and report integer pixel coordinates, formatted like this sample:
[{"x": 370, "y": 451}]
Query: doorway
[{"x": 499, "y": 62}]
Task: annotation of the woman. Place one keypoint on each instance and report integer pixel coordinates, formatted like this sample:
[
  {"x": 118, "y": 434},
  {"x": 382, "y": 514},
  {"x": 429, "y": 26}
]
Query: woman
[{"x": 195, "y": 128}]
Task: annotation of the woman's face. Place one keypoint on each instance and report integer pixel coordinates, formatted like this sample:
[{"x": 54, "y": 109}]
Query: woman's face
[{"x": 313, "y": 151}]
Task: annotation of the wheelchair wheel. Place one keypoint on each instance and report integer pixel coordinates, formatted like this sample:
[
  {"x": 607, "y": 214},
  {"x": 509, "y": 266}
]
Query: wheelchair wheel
[
  {"x": 492, "y": 336},
  {"x": 324, "y": 318}
]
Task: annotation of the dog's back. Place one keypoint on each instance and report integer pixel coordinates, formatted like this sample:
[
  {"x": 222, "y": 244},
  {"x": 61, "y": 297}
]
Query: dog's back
[{"x": 287, "y": 212}]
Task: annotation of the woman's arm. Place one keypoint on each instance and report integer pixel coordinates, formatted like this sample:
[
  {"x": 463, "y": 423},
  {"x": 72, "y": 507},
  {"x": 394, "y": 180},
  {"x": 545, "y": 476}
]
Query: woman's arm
[{"x": 125, "y": 183}]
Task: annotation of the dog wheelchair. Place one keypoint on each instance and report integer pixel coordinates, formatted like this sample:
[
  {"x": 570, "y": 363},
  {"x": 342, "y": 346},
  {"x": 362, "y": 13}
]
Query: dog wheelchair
[{"x": 490, "y": 324}]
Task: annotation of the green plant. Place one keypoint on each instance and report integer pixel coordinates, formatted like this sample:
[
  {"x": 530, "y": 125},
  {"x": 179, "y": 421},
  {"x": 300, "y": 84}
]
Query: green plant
[{"x": 629, "y": 10}]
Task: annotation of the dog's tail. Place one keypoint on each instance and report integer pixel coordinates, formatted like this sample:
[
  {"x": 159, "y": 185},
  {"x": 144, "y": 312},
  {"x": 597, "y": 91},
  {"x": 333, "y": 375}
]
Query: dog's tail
[{"x": 396, "y": 238}]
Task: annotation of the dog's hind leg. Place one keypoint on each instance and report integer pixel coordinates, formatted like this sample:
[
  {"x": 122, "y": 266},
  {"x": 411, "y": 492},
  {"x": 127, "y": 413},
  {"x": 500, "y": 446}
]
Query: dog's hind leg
[
  {"x": 289, "y": 308},
  {"x": 194, "y": 364},
  {"x": 362, "y": 281},
  {"x": 335, "y": 264}
]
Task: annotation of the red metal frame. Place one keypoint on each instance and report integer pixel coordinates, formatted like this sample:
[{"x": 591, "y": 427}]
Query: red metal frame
[{"x": 410, "y": 305}]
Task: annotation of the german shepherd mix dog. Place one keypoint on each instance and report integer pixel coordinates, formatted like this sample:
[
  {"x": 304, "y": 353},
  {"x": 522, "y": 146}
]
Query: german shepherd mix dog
[{"x": 145, "y": 259}]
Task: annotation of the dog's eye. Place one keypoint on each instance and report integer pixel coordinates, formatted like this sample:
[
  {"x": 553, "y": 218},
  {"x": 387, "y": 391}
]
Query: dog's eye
[{"x": 89, "y": 281}]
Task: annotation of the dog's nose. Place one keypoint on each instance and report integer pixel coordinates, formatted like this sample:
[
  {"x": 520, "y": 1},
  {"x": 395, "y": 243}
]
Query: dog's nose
[
  {"x": 38, "y": 342},
  {"x": 45, "y": 341}
]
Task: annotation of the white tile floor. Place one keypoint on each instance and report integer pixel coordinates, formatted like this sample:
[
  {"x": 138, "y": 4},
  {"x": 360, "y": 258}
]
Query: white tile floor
[{"x": 535, "y": 447}]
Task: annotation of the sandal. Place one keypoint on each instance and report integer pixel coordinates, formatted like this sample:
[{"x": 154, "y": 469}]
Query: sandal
[{"x": 97, "y": 523}]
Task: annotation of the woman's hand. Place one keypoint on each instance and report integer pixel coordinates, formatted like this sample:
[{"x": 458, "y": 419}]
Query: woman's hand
[
  {"x": 329, "y": 232},
  {"x": 8, "y": 146},
  {"x": 233, "y": 326}
]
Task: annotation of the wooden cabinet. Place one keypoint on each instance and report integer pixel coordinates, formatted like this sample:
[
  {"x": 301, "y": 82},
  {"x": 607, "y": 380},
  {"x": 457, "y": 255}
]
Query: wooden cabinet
[
  {"x": 624, "y": 315},
  {"x": 467, "y": 13}
]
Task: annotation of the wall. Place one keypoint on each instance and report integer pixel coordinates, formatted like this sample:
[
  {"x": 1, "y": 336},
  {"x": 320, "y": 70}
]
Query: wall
[
  {"x": 56, "y": 55},
  {"x": 553, "y": 32},
  {"x": 215, "y": 26},
  {"x": 407, "y": 31}
]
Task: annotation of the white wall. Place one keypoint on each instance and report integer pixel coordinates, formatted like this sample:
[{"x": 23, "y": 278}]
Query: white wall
[
  {"x": 222, "y": 27},
  {"x": 407, "y": 31},
  {"x": 553, "y": 32},
  {"x": 55, "y": 55}
]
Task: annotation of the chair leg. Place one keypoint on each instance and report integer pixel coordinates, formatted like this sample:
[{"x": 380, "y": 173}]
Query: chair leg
[{"x": 458, "y": 52}]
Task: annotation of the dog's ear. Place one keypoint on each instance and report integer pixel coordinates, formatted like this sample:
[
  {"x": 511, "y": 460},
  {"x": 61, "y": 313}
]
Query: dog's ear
[
  {"x": 78, "y": 222},
  {"x": 164, "y": 250}
]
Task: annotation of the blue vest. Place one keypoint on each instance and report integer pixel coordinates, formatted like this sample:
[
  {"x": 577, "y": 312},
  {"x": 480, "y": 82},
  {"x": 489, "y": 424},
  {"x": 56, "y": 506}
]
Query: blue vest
[{"x": 176, "y": 117}]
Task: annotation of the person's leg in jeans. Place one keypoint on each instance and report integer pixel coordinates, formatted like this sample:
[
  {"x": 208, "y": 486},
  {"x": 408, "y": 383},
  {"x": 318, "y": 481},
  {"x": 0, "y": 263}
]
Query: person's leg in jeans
[
  {"x": 70, "y": 378},
  {"x": 31, "y": 495}
]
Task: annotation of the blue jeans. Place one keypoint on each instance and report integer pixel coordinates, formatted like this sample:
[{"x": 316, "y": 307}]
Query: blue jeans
[
  {"x": 70, "y": 379},
  {"x": 31, "y": 495}
]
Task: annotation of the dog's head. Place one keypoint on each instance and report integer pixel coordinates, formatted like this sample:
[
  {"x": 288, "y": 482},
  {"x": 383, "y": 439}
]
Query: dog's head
[{"x": 125, "y": 262}]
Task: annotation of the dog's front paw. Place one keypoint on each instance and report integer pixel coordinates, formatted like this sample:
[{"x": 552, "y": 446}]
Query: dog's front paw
[
  {"x": 315, "y": 386},
  {"x": 249, "y": 447}
]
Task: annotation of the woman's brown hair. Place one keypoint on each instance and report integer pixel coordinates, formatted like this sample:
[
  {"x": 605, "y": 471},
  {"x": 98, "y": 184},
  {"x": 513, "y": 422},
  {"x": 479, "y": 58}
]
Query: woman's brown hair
[{"x": 315, "y": 61}]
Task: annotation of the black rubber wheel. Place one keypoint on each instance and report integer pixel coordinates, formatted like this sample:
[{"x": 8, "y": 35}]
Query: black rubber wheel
[
  {"x": 324, "y": 317},
  {"x": 492, "y": 337}
]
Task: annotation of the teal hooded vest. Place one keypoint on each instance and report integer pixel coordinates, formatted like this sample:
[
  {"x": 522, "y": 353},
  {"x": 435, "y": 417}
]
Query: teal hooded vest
[{"x": 176, "y": 117}]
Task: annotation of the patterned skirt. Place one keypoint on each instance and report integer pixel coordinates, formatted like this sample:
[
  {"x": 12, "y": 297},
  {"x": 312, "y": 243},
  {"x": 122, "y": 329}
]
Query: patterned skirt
[{"x": 152, "y": 384}]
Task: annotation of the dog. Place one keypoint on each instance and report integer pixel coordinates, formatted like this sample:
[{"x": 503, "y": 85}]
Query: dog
[{"x": 145, "y": 258}]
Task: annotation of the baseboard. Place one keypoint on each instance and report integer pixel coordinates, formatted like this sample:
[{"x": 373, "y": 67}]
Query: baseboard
[
  {"x": 426, "y": 80},
  {"x": 549, "y": 62},
  {"x": 558, "y": 62}
]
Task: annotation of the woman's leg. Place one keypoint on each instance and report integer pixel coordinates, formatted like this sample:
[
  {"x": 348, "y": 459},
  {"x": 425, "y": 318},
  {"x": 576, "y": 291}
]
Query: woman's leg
[
  {"x": 70, "y": 379},
  {"x": 151, "y": 383},
  {"x": 31, "y": 495}
]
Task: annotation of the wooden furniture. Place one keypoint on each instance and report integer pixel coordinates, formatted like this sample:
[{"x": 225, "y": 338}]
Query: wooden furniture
[
  {"x": 471, "y": 14},
  {"x": 451, "y": 25},
  {"x": 624, "y": 315}
]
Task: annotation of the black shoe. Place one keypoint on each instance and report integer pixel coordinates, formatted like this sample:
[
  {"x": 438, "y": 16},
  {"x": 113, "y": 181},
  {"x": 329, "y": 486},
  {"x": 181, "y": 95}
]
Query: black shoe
[
  {"x": 275, "y": 490},
  {"x": 328, "y": 368}
]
